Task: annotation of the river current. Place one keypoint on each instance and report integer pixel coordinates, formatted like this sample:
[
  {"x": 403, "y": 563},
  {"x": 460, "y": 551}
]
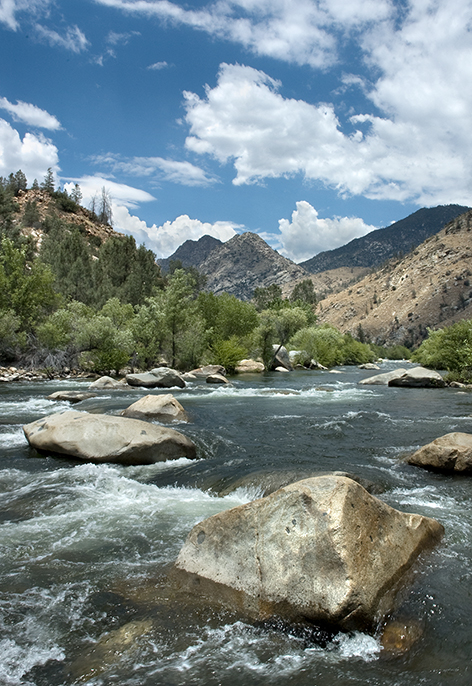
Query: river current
[{"x": 86, "y": 549}]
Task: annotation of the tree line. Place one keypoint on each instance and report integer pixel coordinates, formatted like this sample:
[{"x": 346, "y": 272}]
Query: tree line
[{"x": 79, "y": 302}]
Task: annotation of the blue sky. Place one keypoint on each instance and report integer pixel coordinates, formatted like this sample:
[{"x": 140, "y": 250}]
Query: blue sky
[{"x": 310, "y": 122}]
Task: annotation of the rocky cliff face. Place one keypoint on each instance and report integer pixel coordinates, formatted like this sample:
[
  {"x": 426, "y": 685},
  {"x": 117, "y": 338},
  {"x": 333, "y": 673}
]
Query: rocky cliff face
[
  {"x": 192, "y": 253},
  {"x": 244, "y": 263},
  {"x": 430, "y": 287},
  {"x": 376, "y": 247}
]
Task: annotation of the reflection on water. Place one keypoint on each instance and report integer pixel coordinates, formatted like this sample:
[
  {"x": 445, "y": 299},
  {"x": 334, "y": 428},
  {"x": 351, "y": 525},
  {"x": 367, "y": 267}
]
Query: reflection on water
[{"x": 85, "y": 549}]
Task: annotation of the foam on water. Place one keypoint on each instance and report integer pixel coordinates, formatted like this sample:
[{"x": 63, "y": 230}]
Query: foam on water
[{"x": 12, "y": 437}]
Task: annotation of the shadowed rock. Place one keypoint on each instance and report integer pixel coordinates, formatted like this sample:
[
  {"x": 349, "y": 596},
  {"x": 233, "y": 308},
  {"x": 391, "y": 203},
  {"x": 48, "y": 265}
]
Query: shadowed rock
[
  {"x": 103, "y": 438},
  {"x": 71, "y": 396},
  {"x": 322, "y": 549},
  {"x": 382, "y": 379},
  {"x": 419, "y": 377}
]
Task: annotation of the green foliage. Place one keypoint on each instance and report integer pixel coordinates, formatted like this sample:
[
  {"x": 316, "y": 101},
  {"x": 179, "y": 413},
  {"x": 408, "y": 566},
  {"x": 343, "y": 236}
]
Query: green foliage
[
  {"x": 276, "y": 328},
  {"x": 25, "y": 289},
  {"x": 11, "y": 337},
  {"x": 449, "y": 348},
  {"x": 64, "y": 202},
  {"x": 31, "y": 214},
  {"x": 225, "y": 316},
  {"x": 48, "y": 182},
  {"x": 268, "y": 298},
  {"x": 330, "y": 347},
  {"x": 304, "y": 292},
  {"x": 228, "y": 353}
]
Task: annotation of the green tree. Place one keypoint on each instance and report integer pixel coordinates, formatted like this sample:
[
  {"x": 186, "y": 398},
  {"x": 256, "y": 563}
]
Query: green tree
[
  {"x": 26, "y": 289},
  {"x": 276, "y": 328},
  {"x": 48, "y": 184},
  {"x": 449, "y": 348},
  {"x": 304, "y": 292},
  {"x": 268, "y": 298}
]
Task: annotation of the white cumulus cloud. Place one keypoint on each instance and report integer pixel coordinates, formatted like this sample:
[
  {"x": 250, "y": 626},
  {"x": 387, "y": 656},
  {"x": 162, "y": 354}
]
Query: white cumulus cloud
[
  {"x": 120, "y": 193},
  {"x": 164, "y": 240},
  {"x": 33, "y": 154},
  {"x": 30, "y": 114},
  {"x": 245, "y": 120},
  {"x": 307, "y": 234}
]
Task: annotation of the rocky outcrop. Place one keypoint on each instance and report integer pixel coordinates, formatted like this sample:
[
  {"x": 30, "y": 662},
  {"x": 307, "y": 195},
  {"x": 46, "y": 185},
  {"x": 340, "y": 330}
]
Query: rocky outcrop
[
  {"x": 244, "y": 263},
  {"x": 419, "y": 377},
  {"x": 322, "y": 550},
  {"x": 449, "y": 453},
  {"x": 160, "y": 377},
  {"x": 161, "y": 407},
  {"x": 281, "y": 358},
  {"x": 103, "y": 438}
]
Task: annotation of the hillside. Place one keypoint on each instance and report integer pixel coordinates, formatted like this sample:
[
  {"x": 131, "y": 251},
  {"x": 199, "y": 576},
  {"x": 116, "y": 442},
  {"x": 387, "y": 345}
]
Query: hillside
[
  {"x": 46, "y": 205},
  {"x": 191, "y": 253},
  {"x": 380, "y": 245},
  {"x": 430, "y": 287},
  {"x": 244, "y": 263}
]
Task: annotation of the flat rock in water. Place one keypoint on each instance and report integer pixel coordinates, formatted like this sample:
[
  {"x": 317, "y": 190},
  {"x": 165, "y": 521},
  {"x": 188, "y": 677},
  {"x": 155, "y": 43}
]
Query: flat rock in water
[
  {"x": 160, "y": 377},
  {"x": 449, "y": 453},
  {"x": 383, "y": 379},
  {"x": 419, "y": 377},
  {"x": 161, "y": 407},
  {"x": 103, "y": 438},
  {"x": 71, "y": 396},
  {"x": 321, "y": 549}
]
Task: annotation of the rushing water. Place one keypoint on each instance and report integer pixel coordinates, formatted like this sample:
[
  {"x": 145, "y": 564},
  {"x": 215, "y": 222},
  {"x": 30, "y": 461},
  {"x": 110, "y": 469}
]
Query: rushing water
[{"x": 85, "y": 549}]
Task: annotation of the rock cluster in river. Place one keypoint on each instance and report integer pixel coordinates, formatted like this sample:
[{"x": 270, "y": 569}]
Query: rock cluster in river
[{"x": 322, "y": 549}]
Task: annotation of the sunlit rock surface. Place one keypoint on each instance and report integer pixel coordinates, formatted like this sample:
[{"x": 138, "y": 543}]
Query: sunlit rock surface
[
  {"x": 103, "y": 438},
  {"x": 450, "y": 453},
  {"x": 321, "y": 549}
]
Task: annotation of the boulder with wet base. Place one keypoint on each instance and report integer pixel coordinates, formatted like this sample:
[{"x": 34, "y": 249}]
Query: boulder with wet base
[
  {"x": 103, "y": 438},
  {"x": 322, "y": 549}
]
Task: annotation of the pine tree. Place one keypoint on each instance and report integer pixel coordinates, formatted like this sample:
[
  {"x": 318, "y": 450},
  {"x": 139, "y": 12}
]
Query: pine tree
[{"x": 48, "y": 183}]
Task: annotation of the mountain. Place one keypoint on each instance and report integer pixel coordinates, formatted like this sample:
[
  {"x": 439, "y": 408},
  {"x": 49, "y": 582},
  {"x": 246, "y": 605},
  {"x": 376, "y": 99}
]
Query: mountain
[
  {"x": 429, "y": 287},
  {"x": 244, "y": 263},
  {"x": 380, "y": 245},
  {"x": 191, "y": 253}
]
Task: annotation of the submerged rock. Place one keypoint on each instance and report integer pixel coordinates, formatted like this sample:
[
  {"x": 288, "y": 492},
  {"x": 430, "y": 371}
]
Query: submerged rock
[
  {"x": 449, "y": 453},
  {"x": 161, "y": 407},
  {"x": 103, "y": 438},
  {"x": 71, "y": 396},
  {"x": 321, "y": 549}
]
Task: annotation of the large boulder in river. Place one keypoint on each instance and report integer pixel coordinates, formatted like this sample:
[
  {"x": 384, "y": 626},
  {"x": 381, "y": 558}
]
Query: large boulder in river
[
  {"x": 71, "y": 396},
  {"x": 103, "y": 438},
  {"x": 208, "y": 370},
  {"x": 160, "y": 407},
  {"x": 419, "y": 377},
  {"x": 449, "y": 453},
  {"x": 281, "y": 357},
  {"x": 160, "y": 377},
  {"x": 383, "y": 379},
  {"x": 321, "y": 549},
  {"x": 249, "y": 367},
  {"x": 105, "y": 382}
]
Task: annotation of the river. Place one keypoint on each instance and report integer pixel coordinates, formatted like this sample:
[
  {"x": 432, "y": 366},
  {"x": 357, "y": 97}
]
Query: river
[{"x": 85, "y": 549}]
